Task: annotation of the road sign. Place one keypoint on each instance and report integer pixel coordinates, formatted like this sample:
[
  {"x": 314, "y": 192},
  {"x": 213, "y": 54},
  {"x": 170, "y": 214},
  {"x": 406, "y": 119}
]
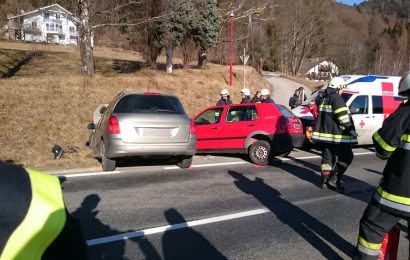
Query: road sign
[{"x": 244, "y": 60}]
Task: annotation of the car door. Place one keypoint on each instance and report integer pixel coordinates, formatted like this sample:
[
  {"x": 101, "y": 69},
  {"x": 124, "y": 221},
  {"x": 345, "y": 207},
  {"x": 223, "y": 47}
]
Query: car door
[
  {"x": 359, "y": 108},
  {"x": 239, "y": 122},
  {"x": 207, "y": 129}
]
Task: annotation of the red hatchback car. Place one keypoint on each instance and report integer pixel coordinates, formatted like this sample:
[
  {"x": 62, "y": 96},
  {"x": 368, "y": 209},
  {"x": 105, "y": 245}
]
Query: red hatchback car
[{"x": 260, "y": 130}]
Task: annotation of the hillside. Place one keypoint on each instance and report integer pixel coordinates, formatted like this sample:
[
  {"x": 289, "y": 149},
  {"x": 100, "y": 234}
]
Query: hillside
[
  {"x": 45, "y": 100},
  {"x": 399, "y": 8}
]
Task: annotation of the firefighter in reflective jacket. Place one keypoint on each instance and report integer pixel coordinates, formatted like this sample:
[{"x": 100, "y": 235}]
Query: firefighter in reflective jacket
[
  {"x": 391, "y": 200},
  {"x": 334, "y": 133},
  {"x": 34, "y": 222}
]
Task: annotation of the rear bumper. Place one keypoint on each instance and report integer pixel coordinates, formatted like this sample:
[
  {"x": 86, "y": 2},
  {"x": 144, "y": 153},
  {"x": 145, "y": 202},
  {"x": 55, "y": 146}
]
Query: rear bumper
[
  {"x": 298, "y": 140},
  {"x": 286, "y": 142},
  {"x": 117, "y": 148}
]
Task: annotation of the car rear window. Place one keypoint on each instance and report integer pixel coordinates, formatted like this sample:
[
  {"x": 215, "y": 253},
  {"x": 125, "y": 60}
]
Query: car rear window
[
  {"x": 157, "y": 104},
  {"x": 285, "y": 112}
]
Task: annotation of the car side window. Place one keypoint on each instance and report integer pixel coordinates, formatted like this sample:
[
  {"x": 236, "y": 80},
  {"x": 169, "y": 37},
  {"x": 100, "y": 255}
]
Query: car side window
[
  {"x": 211, "y": 116},
  {"x": 241, "y": 113},
  {"x": 377, "y": 104},
  {"x": 360, "y": 105}
]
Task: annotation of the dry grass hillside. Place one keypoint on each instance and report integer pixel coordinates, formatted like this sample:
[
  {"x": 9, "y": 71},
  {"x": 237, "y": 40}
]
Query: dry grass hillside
[{"x": 44, "y": 100}]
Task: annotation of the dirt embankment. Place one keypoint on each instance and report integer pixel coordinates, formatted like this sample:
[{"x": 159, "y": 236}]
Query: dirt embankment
[{"x": 47, "y": 101}]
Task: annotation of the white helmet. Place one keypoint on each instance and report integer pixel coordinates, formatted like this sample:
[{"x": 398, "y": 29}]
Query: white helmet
[
  {"x": 337, "y": 83},
  {"x": 265, "y": 92},
  {"x": 246, "y": 92},
  {"x": 224, "y": 92},
  {"x": 404, "y": 84}
]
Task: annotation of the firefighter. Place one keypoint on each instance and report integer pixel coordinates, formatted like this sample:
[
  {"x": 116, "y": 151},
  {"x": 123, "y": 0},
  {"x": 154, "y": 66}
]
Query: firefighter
[
  {"x": 391, "y": 200},
  {"x": 33, "y": 219},
  {"x": 246, "y": 96},
  {"x": 225, "y": 98},
  {"x": 265, "y": 95},
  {"x": 334, "y": 133}
]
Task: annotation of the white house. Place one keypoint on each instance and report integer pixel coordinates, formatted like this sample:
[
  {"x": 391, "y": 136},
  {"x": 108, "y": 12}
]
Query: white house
[
  {"x": 321, "y": 69},
  {"x": 51, "y": 23}
]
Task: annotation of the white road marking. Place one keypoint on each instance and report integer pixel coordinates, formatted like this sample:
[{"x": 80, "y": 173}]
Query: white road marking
[
  {"x": 163, "y": 229},
  {"x": 74, "y": 175},
  {"x": 199, "y": 222},
  {"x": 86, "y": 174},
  {"x": 206, "y": 165}
]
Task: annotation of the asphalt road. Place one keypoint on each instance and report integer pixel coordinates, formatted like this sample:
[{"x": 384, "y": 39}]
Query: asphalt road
[
  {"x": 283, "y": 88},
  {"x": 224, "y": 208}
]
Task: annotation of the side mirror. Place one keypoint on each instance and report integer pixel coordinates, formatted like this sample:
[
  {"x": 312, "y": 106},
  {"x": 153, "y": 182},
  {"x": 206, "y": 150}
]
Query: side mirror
[{"x": 91, "y": 126}]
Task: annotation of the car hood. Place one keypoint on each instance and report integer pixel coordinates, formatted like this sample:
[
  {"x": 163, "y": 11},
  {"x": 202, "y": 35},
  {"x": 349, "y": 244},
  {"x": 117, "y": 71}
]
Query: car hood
[{"x": 303, "y": 112}]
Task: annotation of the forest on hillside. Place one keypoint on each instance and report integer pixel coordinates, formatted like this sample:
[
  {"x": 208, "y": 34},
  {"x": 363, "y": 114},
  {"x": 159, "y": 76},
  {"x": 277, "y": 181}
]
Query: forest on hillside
[{"x": 371, "y": 38}]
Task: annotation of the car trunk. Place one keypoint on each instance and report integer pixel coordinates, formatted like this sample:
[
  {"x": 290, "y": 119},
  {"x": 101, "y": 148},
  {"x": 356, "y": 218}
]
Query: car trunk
[{"x": 153, "y": 128}]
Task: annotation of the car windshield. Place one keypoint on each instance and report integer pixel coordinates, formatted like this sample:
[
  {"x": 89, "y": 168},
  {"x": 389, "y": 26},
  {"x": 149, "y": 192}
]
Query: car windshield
[
  {"x": 312, "y": 97},
  {"x": 149, "y": 104},
  {"x": 346, "y": 96}
]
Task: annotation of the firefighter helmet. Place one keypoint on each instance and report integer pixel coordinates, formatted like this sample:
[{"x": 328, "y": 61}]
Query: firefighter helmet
[
  {"x": 404, "y": 85},
  {"x": 265, "y": 92},
  {"x": 224, "y": 92},
  {"x": 336, "y": 83},
  {"x": 246, "y": 92}
]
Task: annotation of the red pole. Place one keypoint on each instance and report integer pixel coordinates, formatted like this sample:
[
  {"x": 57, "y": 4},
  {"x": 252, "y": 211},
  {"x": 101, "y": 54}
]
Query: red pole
[{"x": 231, "y": 52}]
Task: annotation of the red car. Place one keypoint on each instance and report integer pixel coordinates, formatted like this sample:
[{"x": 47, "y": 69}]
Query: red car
[{"x": 260, "y": 130}]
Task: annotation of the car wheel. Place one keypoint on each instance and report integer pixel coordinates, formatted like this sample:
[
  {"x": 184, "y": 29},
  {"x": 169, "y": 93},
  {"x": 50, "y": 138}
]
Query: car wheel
[
  {"x": 106, "y": 163},
  {"x": 185, "y": 162},
  {"x": 259, "y": 152}
]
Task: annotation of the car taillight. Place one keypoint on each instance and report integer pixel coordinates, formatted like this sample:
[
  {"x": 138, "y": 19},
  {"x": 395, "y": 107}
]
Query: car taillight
[
  {"x": 113, "y": 126},
  {"x": 297, "y": 124},
  {"x": 284, "y": 123},
  {"x": 192, "y": 130}
]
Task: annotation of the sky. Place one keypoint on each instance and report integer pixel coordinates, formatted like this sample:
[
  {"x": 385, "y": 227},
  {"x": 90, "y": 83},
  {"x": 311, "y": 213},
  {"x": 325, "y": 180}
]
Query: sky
[{"x": 350, "y": 2}]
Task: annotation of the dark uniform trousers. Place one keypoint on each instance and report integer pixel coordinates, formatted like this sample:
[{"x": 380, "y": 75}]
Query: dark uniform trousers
[
  {"x": 344, "y": 155},
  {"x": 374, "y": 225}
]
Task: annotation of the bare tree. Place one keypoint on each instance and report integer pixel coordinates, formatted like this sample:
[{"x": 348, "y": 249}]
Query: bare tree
[{"x": 85, "y": 37}]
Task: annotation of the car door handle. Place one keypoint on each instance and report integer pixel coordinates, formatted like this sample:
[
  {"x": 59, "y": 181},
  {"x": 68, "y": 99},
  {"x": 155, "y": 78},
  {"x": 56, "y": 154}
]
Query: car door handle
[
  {"x": 214, "y": 127},
  {"x": 251, "y": 125}
]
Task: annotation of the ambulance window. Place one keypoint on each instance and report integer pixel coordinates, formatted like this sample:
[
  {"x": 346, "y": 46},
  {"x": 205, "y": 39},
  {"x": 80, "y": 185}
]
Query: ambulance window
[
  {"x": 377, "y": 104},
  {"x": 360, "y": 105}
]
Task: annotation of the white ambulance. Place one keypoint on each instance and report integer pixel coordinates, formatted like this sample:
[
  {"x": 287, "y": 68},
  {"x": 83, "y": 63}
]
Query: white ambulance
[{"x": 370, "y": 99}]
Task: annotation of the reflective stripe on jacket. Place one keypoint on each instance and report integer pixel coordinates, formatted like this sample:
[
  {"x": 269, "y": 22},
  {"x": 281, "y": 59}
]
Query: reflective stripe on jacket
[
  {"x": 34, "y": 218},
  {"x": 334, "y": 120},
  {"x": 392, "y": 142}
]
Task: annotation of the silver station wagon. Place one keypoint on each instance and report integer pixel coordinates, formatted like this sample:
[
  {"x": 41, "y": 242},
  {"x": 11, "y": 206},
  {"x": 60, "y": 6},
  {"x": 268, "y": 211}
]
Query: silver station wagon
[{"x": 142, "y": 124}]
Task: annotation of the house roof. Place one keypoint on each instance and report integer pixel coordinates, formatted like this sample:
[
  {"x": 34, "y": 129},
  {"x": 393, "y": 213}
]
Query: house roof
[{"x": 45, "y": 8}]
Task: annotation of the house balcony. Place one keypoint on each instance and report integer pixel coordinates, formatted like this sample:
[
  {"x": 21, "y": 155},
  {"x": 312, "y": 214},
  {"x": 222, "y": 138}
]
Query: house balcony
[
  {"x": 53, "y": 21},
  {"x": 55, "y": 31},
  {"x": 29, "y": 29},
  {"x": 74, "y": 34}
]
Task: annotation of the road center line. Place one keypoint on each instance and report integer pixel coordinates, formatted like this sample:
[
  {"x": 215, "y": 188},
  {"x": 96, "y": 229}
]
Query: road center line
[{"x": 199, "y": 222}]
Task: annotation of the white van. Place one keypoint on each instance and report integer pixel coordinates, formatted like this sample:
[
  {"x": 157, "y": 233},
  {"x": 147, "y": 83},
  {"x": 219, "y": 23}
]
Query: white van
[{"x": 370, "y": 99}]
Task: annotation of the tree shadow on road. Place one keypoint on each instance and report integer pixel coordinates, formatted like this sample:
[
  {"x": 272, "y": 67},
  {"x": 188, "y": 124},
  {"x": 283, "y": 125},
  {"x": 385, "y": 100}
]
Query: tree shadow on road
[
  {"x": 186, "y": 243},
  {"x": 308, "y": 227},
  {"x": 94, "y": 228},
  {"x": 355, "y": 188}
]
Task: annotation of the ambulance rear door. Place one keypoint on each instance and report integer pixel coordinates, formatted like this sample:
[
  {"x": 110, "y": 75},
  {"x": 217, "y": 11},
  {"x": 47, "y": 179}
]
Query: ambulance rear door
[{"x": 359, "y": 106}]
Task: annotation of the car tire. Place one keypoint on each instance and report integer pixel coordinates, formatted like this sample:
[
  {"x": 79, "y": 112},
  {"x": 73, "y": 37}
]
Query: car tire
[
  {"x": 185, "y": 162},
  {"x": 106, "y": 163},
  {"x": 259, "y": 152}
]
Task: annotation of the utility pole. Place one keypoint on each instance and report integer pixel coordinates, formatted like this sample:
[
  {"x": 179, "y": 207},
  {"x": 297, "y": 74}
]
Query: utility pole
[
  {"x": 231, "y": 51},
  {"x": 244, "y": 59}
]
